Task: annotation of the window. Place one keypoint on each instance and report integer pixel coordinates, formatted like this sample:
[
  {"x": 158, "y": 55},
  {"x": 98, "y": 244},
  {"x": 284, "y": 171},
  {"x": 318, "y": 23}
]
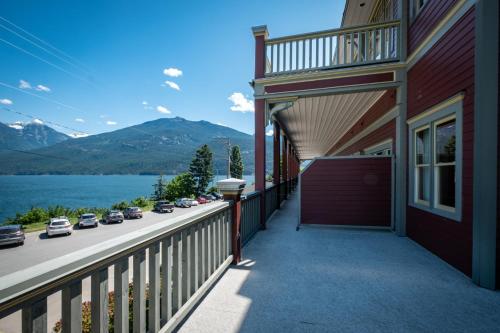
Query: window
[
  {"x": 380, "y": 149},
  {"x": 435, "y": 159},
  {"x": 416, "y": 8}
]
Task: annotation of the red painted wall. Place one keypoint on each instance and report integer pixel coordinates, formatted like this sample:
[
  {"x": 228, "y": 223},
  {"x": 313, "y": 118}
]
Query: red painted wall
[
  {"x": 446, "y": 70},
  {"x": 347, "y": 191},
  {"x": 377, "y": 110},
  {"x": 433, "y": 12}
]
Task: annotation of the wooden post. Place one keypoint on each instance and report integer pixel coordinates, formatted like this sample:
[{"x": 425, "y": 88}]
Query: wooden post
[
  {"x": 285, "y": 166},
  {"x": 276, "y": 162}
]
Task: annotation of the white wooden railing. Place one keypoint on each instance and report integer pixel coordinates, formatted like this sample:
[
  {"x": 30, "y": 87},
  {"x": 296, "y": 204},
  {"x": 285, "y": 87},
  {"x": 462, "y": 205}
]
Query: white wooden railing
[
  {"x": 182, "y": 260},
  {"x": 363, "y": 45}
]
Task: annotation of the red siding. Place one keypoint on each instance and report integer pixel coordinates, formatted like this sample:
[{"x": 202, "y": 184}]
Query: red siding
[
  {"x": 381, "y": 107},
  {"x": 330, "y": 83},
  {"x": 387, "y": 131},
  {"x": 446, "y": 70},
  {"x": 433, "y": 12},
  {"x": 347, "y": 191}
]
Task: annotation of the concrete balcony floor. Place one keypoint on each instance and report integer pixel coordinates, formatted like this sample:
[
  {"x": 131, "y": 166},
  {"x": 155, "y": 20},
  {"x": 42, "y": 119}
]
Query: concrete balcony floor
[{"x": 341, "y": 280}]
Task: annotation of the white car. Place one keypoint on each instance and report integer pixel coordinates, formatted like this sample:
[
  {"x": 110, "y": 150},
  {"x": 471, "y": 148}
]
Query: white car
[
  {"x": 194, "y": 202},
  {"x": 88, "y": 220},
  {"x": 59, "y": 226}
]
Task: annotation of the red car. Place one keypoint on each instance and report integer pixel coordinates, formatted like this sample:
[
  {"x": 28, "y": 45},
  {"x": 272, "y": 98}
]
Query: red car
[{"x": 202, "y": 200}]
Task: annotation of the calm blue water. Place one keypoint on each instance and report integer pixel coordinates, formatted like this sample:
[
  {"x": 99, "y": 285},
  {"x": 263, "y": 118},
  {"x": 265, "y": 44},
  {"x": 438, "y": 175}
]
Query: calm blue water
[{"x": 20, "y": 193}]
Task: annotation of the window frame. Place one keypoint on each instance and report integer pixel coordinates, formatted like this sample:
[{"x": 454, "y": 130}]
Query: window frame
[
  {"x": 415, "y": 9},
  {"x": 432, "y": 120},
  {"x": 422, "y": 165}
]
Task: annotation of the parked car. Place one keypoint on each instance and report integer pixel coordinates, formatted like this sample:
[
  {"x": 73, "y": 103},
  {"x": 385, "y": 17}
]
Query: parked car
[
  {"x": 218, "y": 196},
  {"x": 113, "y": 216},
  {"x": 163, "y": 206},
  {"x": 194, "y": 202},
  {"x": 201, "y": 200},
  {"x": 88, "y": 220},
  {"x": 207, "y": 197},
  {"x": 11, "y": 234},
  {"x": 183, "y": 203},
  {"x": 59, "y": 226},
  {"x": 132, "y": 213}
]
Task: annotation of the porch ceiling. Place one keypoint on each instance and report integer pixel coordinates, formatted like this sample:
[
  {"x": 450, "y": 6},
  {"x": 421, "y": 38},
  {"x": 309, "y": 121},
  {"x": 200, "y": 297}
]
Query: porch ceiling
[{"x": 315, "y": 124}]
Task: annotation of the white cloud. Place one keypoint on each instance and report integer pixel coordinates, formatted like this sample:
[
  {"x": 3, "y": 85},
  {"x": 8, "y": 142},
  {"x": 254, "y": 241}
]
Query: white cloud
[
  {"x": 111, "y": 123},
  {"x": 42, "y": 88},
  {"x": 78, "y": 135},
  {"x": 270, "y": 132},
  {"x": 79, "y": 120},
  {"x": 102, "y": 116},
  {"x": 24, "y": 84},
  {"x": 144, "y": 102},
  {"x": 37, "y": 121},
  {"x": 163, "y": 109},
  {"x": 221, "y": 124},
  {"x": 173, "y": 85},
  {"x": 241, "y": 103},
  {"x": 6, "y": 101},
  {"x": 172, "y": 72},
  {"x": 18, "y": 125}
]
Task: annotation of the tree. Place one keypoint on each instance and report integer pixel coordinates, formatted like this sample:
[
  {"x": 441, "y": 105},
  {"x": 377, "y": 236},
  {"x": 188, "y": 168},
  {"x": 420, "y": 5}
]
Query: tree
[
  {"x": 236, "y": 163},
  {"x": 201, "y": 169},
  {"x": 159, "y": 192},
  {"x": 180, "y": 186}
]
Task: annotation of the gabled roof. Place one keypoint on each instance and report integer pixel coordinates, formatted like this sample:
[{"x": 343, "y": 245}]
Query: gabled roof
[{"x": 357, "y": 12}]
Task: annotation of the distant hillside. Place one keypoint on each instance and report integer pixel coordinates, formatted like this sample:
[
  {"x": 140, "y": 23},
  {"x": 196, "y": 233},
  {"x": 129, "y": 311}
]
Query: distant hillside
[
  {"x": 164, "y": 145},
  {"x": 29, "y": 136}
]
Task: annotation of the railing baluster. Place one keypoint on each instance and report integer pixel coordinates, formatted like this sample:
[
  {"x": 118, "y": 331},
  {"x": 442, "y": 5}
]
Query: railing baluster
[
  {"x": 200, "y": 253},
  {"x": 186, "y": 281},
  {"x": 208, "y": 249},
  {"x": 99, "y": 297},
  {"x": 272, "y": 58},
  {"x": 167, "y": 274},
  {"x": 224, "y": 238},
  {"x": 139, "y": 292},
  {"x": 278, "y": 57},
  {"x": 303, "y": 54},
  {"x": 290, "y": 56},
  {"x": 351, "y": 60},
  {"x": 194, "y": 259},
  {"x": 154, "y": 288},
  {"x": 34, "y": 317},
  {"x": 121, "y": 296},
  {"x": 71, "y": 307},
  {"x": 296, "y": 55},
  {"x": 213, "y": 242},
  {"x": 323, "y": 62},
  {"x": 317, "y": 52},
  {"x": 367, "y": 45},
  {"x": 310, "y": 53},
  {"x": 374, "y": 44},
  {"x": 176, "y": 273},
  {"x": 382, "y": 44}
]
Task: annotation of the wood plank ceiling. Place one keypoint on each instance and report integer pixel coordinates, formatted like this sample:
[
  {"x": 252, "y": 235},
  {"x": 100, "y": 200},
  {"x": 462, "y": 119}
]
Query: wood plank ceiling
[{"x": 315, "y": 124}]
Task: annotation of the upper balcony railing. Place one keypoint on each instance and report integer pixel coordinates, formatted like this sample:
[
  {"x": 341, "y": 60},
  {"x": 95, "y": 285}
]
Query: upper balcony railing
[{"x": 324, "y": 50}]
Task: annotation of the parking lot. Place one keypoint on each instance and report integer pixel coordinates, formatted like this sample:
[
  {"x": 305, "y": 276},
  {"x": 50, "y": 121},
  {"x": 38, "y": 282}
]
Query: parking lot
[{"x": 39, "y": 248}]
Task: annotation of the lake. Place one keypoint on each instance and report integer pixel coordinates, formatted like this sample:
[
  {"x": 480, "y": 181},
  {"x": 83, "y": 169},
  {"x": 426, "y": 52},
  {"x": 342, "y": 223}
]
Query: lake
[{"x": 20, "y": 193}]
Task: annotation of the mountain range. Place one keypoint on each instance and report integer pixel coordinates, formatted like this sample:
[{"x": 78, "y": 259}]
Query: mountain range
[{"x": 162, "y": 146}]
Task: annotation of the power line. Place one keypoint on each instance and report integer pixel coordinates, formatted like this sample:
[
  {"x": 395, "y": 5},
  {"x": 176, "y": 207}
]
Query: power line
[
  {"x": 38, "y": 96},
  {"x": 47, "y": 44},
  {"x": 45, "y": 121},
  {"x": 45, "y": 61},
  {"x": 43, "y": 48}
]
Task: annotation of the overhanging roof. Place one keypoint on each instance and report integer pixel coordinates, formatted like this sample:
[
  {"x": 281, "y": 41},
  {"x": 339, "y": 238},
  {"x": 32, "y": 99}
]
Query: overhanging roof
[
  {"x": 315, "y": 124},
  {"x": 355, "y": 13}
]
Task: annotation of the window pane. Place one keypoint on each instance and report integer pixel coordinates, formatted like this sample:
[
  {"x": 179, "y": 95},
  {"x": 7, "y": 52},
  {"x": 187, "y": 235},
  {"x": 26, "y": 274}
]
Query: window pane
[
  {"x": 445, "y": 142},
  {"x": 422, "y": 147},
  {"x": 445, "y": 177},
  {"x": 423, "y": 183}
]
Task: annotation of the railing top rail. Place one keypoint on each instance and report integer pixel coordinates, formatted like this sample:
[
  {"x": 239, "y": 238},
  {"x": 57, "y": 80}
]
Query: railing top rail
[
  {"x": 252, "y": 195},
  {"x": 331, "y": 32},
  {"x": 41, "y": 279}
]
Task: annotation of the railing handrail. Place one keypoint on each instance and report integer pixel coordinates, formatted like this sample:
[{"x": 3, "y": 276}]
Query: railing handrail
[
  {"x": 43, "y": 279},
  {"x": 332, "y": 32},
  {"x": 251, "y": 195}
]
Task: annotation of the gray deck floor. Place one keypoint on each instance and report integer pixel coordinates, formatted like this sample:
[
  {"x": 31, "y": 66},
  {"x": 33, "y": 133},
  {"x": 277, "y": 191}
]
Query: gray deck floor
[{"x": 341, "y": 280}]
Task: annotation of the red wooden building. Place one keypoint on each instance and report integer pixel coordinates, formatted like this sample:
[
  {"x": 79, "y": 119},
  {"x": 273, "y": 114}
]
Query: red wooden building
[{"x": 396, "y": 114}]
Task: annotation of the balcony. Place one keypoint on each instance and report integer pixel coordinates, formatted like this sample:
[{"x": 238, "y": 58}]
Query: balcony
[{"x": 333, "y": 49}]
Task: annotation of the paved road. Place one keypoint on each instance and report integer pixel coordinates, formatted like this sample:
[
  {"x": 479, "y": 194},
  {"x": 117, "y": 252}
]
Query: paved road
[{"x": 38, "y": 248}]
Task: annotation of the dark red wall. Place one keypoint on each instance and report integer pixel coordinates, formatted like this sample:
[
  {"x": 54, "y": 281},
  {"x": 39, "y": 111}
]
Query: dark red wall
[
  {"x": 433, "y": 12},
  {"x": 387, "y": 131},
  {"x": 377, "y": 110},
  {"x": 446, "y": 70},
  {"x": 347, "y": 191}
]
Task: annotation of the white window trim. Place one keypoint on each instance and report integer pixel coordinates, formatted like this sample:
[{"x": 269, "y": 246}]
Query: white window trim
[
  {"x": 415, "y": 166},
  {"x": 379, "y": 147},
  {"x": 447, "y": 112}
]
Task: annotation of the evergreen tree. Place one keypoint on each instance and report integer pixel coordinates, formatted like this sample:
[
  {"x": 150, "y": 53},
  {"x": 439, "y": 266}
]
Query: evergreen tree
[
  {"x": 159, "y": 189},
  {"x": 201, "y": 169},
  {"x": 236, "y": 163}
]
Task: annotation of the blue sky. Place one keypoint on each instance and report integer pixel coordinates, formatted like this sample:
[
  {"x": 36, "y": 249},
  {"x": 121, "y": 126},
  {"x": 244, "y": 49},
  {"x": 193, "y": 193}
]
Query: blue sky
[{"x": 119, "y": 52}]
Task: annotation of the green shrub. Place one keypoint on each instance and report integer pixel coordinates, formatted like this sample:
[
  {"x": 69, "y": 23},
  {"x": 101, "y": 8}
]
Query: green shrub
[
  {"x": 140, "y": 202},
  {"x": 34, "y": 215},
  {"x": 56, "y": 211},
  {"x": 120, "y": 205}
]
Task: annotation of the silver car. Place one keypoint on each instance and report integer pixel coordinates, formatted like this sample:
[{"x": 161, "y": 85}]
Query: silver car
[
  {"x": 88, "y": 220},
  {"x": 59, "y": 226},
  {"x": 11, "y": 234}
]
